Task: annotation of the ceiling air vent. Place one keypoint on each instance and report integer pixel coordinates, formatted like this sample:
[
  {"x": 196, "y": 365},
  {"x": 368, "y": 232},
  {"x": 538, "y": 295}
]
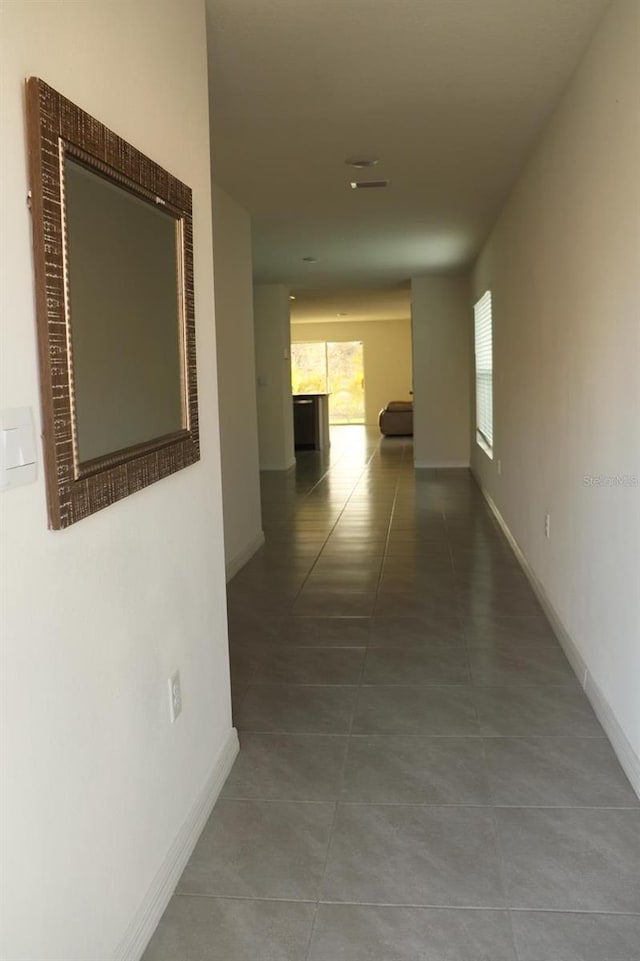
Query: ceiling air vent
[{"x": 364, "y": 184}]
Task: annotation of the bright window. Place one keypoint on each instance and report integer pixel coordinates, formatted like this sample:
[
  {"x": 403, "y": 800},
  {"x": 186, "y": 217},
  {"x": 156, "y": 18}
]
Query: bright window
[
  {"x": 335, "y": 368},
  {"x": 484, "y": 372},
  {"x": 309, "y": 373}
]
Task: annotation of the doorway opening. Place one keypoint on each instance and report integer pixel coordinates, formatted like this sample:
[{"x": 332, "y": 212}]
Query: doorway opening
[{"x": 335, "y": 368}]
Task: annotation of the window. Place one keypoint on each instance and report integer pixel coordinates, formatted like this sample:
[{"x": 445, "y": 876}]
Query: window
[
  {"x": 336, "y": 369},
  {"x": 309, "y": 373},
  {"x": 484, "y": 373}
]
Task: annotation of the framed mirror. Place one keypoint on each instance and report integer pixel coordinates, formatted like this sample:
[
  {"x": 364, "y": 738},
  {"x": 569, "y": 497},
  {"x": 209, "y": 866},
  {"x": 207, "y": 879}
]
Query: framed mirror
[{"x": 113, "y": 257}]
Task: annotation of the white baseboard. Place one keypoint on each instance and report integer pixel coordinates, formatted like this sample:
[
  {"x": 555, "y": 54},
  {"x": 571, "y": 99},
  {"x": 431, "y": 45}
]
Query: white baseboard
[
  {"x": 619, "y": 741},
  {"x": 153, "y": 905},
  {"x": 440, "y": 464},
  {"x": 241, "y": 558}
]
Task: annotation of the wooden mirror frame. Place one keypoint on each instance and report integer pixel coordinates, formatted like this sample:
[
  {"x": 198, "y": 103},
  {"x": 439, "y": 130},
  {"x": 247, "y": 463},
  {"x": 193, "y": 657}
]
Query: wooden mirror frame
[{"x": 74, "y": 489}]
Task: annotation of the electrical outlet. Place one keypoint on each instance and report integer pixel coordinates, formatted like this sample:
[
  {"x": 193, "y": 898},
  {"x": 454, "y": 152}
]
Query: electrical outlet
[
  {"x": 547, "y": 525},
  {"x": 175, "y": 696},
  {"x": 499, "y": 466}
]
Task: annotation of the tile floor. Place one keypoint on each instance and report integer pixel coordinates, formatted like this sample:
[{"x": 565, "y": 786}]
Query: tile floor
[{"x": 421, "y": 777}]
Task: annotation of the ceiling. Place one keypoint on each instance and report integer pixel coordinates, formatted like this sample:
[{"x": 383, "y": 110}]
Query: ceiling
[
  {"x": 349, "y": 304},
  {"x": 448, "y": 94}
]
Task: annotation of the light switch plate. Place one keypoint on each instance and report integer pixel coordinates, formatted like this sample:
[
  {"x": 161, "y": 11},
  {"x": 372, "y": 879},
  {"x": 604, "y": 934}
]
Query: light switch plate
[{"x": 17, "y": 448}]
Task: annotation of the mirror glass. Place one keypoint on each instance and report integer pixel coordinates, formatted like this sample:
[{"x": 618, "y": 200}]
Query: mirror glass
[{"x": 124, "y": 266}]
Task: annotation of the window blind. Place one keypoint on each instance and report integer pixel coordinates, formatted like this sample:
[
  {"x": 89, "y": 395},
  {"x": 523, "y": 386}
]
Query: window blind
[{"x": 484, "y": 370}]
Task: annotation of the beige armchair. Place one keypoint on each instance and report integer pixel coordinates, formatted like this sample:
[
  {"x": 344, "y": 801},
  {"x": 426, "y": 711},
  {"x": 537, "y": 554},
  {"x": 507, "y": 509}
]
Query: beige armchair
[{"x": 397, "y": 418}]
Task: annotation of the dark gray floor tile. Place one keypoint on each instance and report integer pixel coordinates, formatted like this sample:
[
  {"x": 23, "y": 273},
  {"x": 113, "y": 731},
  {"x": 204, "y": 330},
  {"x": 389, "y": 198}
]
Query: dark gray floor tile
[
  {"x": 519, "y": 663},
  {"x": 249, "y": 628},
  {"x": 435, "y": 533},
  {"x": 552, "y": 936},
  {"x": 213, "y": 929},
  {"x": 350, "y": 932},
  {"x": 366, "y": 541},
  {"x": 418, "y": 548},
  {"x": 467, "y": 559},
  {"x": 437, "y": 664},
  {"x": 290, "y": 767},
  {"x": 475, "y": 548},
  {"x": 290, "y": 556},
  {"x": 411, "y": 855},
  {"x": 367, "y": 552},
  {"x": 563, "y": 771},
  {"x": 426, "y": 566},
  {"x": 278, "y": 569},
  {"x": 525, "y": 628},
  {"x": 326, "y": 631},
  {"x": 479, "y": 602},
  {"x": 416, "y": 632},
  {"x": 416, "y": 605},
  {"x": 407, "y": 514},
  {"x": 288, "y": 541},
  {"x": 416, "y": 710},
  {"x": 265, "y": 603},
  {"x": 292, "y": 709},
  {"x": 286, "y": 582},
  {"x": 415, "y": 770},
  {"x": 308, "y": 665},
  {"x": 238, "y": 694},
  {"x": 530, "y": 711},
  {"x": 241, "y": 665},
  {"x": 371, "y": 560},
  {"x": 492, "y": 579},
  {"x": 571, "y": 859},
  {"x": 416, "y": 581},
  {"x": 356, "y": 582},
  {"x": 330, "y": 602},
  {"x": 374, "y": 539},
  {"x": 260, "y": 849},
  {"x": 370, "y": 513}
]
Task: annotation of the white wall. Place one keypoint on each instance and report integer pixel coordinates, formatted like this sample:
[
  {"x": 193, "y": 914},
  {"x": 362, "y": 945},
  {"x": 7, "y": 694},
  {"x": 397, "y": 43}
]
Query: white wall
[
  {"x": 387, "y": 356},
  {"x": 236, "y": 380},
  {"x": 96, "y": 783},
  {"x": 273, "y": 376},
  {"x": 440, "y": 307},
  {"x": 563, "y": 265}
]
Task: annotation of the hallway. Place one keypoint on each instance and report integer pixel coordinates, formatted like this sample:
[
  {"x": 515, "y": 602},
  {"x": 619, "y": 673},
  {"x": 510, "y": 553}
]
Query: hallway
[{"x": 421, "y": 777}]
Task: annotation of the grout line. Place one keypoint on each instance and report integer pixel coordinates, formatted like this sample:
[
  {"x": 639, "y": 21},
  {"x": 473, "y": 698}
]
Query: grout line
[
  {"x": 497, "y": 845},
  {"x": 421, "y": 735},
  {"x": 501, "y": 908},
  {"x": 333, "y": 527},
  {"x": 343, "y": 766},
  {"x": 312, "y": 928},
  {"x": 381, "y": 735},
  {"x": 459, "y": 685},
  {"x": 471, "y": 805},
  {"x": 241, "y": 897},
  {"x": 426, "y": 734}
]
